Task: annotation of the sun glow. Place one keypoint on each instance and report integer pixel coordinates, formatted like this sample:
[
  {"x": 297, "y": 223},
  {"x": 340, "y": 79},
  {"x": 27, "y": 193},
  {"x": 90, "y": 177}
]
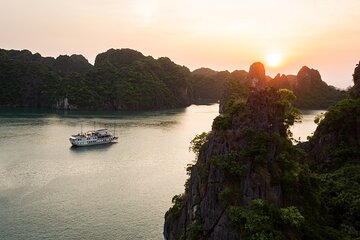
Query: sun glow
[{"x": 274, "y": 59}]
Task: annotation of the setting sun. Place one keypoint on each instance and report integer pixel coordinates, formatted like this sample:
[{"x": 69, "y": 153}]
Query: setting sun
[{"x": 274, "y": 59}]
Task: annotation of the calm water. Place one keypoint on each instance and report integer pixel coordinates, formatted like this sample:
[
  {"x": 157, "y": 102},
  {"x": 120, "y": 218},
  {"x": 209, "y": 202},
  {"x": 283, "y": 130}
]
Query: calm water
[
  {"x": 307, "y": 126},
  {"x": 120, "y": 191}
]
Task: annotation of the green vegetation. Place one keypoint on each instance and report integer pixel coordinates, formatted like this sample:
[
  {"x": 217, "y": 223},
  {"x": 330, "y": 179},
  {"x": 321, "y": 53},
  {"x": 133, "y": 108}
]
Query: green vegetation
[
  {"x": 230, "y": 164},
  {"x": 179, "y": 202},
  {"x": 127, "y": 80},
  {"x": 258, "y": 146},
  {"x": 337, "y": 166},
  {"x": 291, "y": 216},
  {"x": 202, "y": 170},
  {"x": 120, "y": 80},
  {"x": 198, "y": 142},
  {"x": 263, "y": 220},
  {"x": 292, "y": 114},
  {"x": 211, "y": 85},
  {"x": 224, "y": 197},
  {"x": 340, "y": 196},
  {"x": 224, "y": 121},
  {"x": 319, "y": 118},
  {"x": 196, "y": 230},
  {"x": 314, "y": 93},
  {"x": 341, "y": 118},
  {"x": 307, "y": 191}
]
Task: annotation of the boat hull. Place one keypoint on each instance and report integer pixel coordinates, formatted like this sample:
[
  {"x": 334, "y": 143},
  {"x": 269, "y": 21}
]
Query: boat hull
[{"x": 92, "y": 142}]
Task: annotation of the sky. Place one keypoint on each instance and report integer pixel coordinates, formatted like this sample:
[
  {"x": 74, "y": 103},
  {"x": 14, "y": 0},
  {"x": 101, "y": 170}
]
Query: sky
[{"x": 222, "y": 35}]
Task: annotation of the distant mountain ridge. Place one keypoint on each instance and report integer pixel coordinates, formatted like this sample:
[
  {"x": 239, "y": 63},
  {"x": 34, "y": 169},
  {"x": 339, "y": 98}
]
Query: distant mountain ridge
[
  {"x": 311, "y": 91},
  {"x": 125, "y": 79},
  {"x": 121, "y": 79}
]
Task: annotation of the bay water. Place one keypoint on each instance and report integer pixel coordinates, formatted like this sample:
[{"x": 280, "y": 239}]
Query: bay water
[{"x": 50, "y": 190}]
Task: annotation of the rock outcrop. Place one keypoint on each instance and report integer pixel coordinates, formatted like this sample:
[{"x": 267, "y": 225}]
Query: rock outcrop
[
  {"x": 339, "y": 128},
  {"x": 280, "y": 81},
  {"x": 251, "y": 182},
  {"x": 256, "y": 77},
  {"x": 312, "y": 92},
  {"x": 66, "y": 65},
  {"x": 118, "y": 57},
  {"x": 306, "y": 78},
  {"x": 63, "y": 104},
  {"x": 334, "y": 154},
  {"x": 355, "y": 91},
  {"x": 237, "y": 165}
]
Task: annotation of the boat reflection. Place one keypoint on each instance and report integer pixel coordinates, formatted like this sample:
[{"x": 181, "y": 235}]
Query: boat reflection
[{"x": 96, "y": 148}]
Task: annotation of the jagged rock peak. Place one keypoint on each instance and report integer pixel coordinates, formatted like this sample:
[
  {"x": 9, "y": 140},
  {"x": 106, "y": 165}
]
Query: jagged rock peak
[
  {"x": 307, "y": 73},
  {"x": 257, "y": 70},
  {"x": 355, "y": 91},
  {"x": 280, "y": 81},
  {"x": 306, "y": 77},
  {"x": 257, "y": 77},
  {"x": 65, "y": 64},
  {"x": 205, "y": 72},
  {"x": 119, "y": 56}
]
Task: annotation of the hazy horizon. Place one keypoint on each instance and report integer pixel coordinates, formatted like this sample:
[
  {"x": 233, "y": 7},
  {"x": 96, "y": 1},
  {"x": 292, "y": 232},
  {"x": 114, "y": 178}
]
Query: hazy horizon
[{"x": 225, "y": 35}]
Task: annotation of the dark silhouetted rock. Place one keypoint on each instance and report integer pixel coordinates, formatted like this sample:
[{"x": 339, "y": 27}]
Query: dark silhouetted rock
[
  {"x": 207, "y": 72},
  {"x": 355, "y": 90},
  {"x": 65, "y": 65},
  {"x": 118, "y": 57},
  {"x": 312, "y": 92},
  {"x": 280, "y": 81},
  {"x": 256, "y": 77},
  {"x": 260, "y": 115}
]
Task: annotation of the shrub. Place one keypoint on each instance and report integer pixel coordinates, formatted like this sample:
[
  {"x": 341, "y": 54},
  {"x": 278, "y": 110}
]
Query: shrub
[
  {"x": 292, "y": 216},
  {"x": 262, "y": 220},
  {"x": 178, "y": 203},
  {"x": 222, "y": 122},
  {"x": 198, "y": 142}
]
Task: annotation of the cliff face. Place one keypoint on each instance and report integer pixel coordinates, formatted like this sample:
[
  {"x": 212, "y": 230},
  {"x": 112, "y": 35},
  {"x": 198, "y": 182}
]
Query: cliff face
[
  {"x": 256, "y": 77},
  {"x": 280, "y": 81},
  {"x": 239, "y": 163},
  {"x": 355, "y": 91},
  {"x": 334, "y": 154},
  {"x": 312, "y": 92},
  {"x": 307, "y": 77},
  {"x": 338, "y": 128},
  {"x": 251, "y": 182}
]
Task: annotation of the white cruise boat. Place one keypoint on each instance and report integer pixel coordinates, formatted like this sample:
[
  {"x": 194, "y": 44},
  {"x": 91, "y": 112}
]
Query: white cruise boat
[{"x": 96, "y": 137}]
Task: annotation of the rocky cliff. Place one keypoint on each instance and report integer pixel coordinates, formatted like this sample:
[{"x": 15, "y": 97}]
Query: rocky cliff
[
  {"x": 312, "y": 92},
  {"x": 256, "y": 77},
  {"x": 251, "y": 182},
  {"x": 355, "y": 91},
  {"x": 240, "y": 168},
  {"x": 334, "y": 154}
]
